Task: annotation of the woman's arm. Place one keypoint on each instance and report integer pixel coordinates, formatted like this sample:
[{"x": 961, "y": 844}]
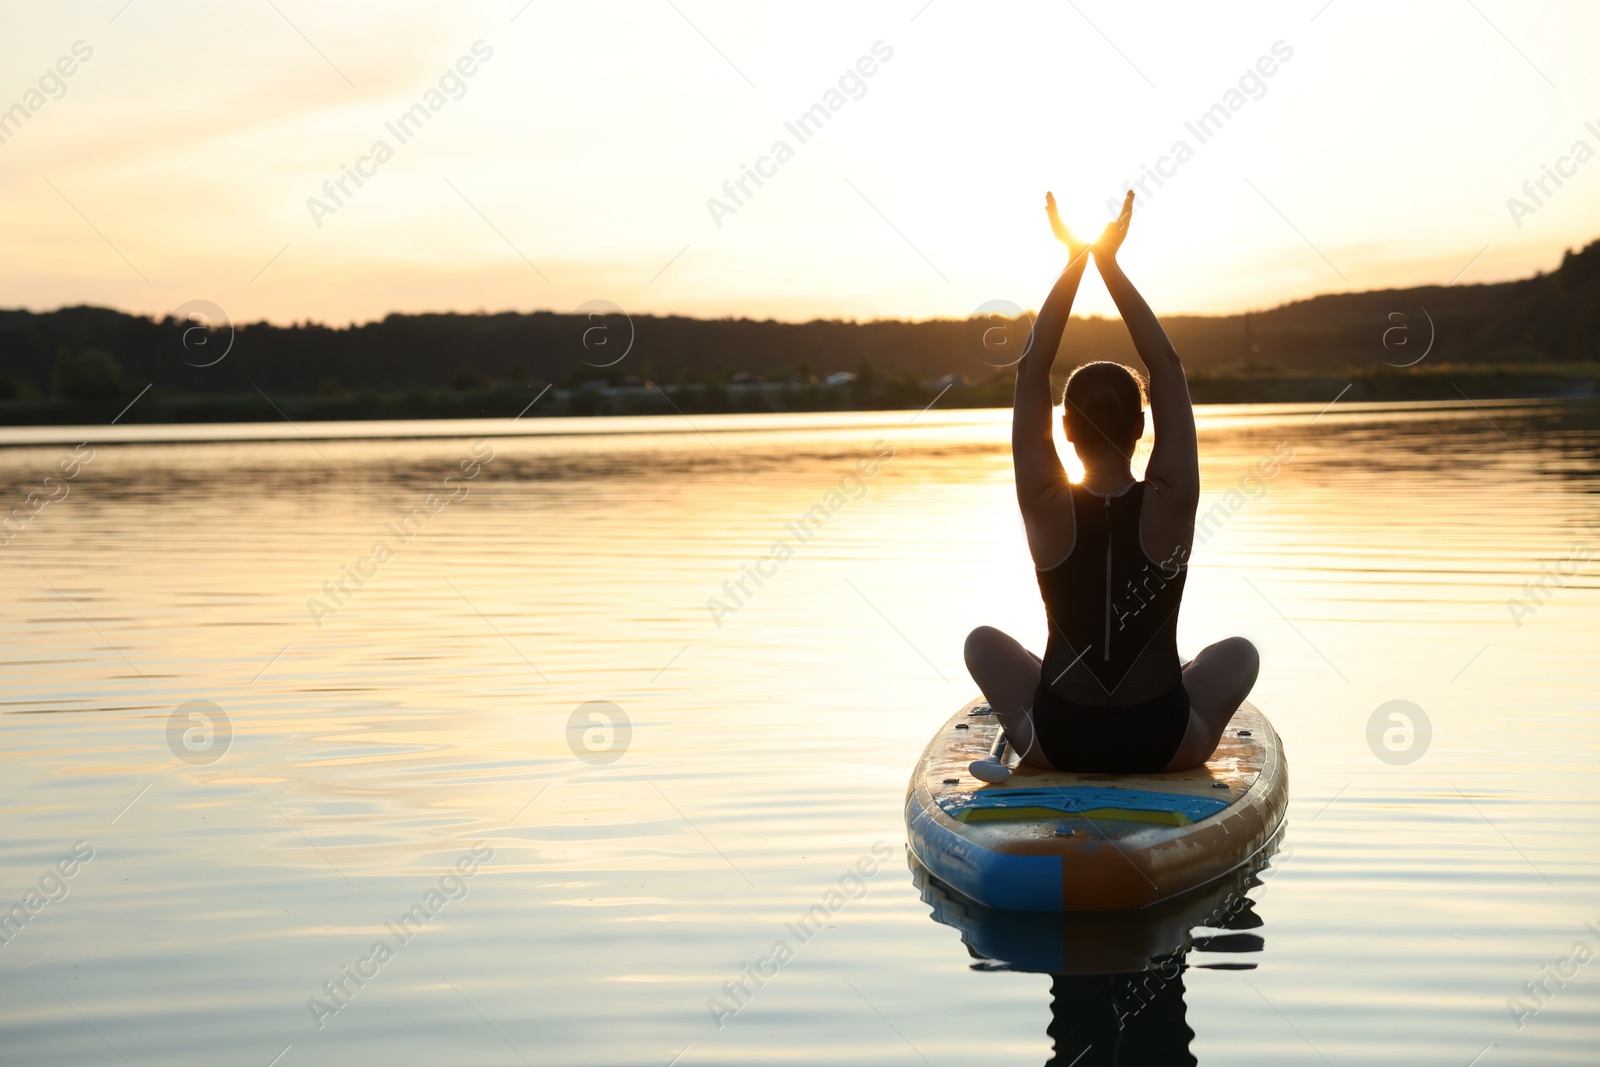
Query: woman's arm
[
  {"x": 1174, "y": 467},
  {"x": 1041, "y": 478}
]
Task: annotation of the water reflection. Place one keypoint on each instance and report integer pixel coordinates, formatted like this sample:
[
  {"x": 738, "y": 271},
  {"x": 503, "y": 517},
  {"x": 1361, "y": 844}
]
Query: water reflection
[
  {"x": 1375, "y": 566},
  {"x": 1116, "y": 978}
]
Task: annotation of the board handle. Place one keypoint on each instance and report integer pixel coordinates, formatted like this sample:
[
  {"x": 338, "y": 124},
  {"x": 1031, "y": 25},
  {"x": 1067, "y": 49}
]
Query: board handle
[{"x": 992, "y": 768}]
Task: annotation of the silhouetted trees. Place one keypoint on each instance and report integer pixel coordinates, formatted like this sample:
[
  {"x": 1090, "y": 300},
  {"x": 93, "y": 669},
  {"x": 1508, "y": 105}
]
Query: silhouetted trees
[{"x": 97, "y": 355}]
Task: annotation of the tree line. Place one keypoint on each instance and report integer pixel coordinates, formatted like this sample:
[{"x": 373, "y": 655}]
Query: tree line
[{"x": 98, "y": 354}]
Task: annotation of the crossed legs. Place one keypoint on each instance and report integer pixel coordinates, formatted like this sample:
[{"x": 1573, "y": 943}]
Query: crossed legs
[
  {"x": 1008, "y": 674},
  {"x": 1218, "y": 680}
]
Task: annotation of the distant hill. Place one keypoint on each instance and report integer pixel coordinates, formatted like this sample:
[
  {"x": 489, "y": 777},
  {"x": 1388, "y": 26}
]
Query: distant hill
[{"x": 90, "y": 353}]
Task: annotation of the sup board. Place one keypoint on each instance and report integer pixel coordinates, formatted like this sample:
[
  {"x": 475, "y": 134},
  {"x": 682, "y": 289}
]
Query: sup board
[
  {"x": 1119, "y": 942},
  {"x": 1064, "y": 841}
]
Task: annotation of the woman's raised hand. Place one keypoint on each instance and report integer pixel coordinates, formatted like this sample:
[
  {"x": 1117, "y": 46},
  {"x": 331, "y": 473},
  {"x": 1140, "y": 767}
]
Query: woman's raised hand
[
  {"x": 1112, "y": 236},
  {"x": 1075, "y": 247}
]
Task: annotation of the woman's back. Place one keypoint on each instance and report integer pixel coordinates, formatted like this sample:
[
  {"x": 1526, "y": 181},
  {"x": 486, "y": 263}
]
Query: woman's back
[{"x": 1112, "y": 609}]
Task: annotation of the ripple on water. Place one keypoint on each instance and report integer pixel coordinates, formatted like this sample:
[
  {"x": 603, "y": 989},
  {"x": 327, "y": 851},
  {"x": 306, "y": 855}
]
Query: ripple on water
[{"x": 428, "y": 714}]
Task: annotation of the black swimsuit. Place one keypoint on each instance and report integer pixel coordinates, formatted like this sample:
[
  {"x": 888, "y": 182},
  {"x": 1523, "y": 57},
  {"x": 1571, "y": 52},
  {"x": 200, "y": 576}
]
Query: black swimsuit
[{"x": 1111, "y": 694}]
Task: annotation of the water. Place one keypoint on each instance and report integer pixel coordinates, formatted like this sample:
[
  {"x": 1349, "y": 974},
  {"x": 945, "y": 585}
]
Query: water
[{"x": 622, "y": 875}]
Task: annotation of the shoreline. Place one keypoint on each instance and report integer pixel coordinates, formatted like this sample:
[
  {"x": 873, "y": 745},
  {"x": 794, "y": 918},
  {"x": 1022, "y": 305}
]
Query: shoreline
[
  {"x": 540, "y": 403},
  {"x": 675, "y": 425}
]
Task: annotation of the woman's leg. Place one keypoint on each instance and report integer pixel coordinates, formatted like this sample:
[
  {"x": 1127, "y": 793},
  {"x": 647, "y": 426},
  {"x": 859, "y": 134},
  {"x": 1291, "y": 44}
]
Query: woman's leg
[
  {"x": 1008, "y": 674},
  {"x": 1218, "y": 680}
]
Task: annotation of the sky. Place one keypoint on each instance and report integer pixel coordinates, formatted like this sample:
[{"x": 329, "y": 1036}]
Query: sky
[{"x": 564, "y": 153}]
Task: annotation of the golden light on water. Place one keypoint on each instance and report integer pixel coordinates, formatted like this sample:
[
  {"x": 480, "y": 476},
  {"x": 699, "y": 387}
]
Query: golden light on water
[{"x": 764, "y": 747}]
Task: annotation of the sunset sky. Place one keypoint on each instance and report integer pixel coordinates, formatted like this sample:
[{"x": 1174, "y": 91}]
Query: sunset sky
[{"x": 575, "y": 162}]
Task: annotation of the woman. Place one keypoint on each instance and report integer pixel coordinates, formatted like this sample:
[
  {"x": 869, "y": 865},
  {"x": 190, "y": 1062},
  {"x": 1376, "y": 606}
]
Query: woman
[{"x": 1111, "y": 554}]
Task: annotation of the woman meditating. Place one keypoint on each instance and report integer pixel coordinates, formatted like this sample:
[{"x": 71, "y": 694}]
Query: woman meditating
[{"x": 1111, "y": 554}]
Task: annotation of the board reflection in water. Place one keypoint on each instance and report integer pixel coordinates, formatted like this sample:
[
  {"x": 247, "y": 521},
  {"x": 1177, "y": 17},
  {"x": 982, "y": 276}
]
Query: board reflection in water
[{"x": 1116, "y": 988}]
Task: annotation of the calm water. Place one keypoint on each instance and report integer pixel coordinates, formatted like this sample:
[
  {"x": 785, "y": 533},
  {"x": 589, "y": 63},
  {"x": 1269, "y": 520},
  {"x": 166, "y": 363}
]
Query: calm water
[{"x": 579, "y": 894}]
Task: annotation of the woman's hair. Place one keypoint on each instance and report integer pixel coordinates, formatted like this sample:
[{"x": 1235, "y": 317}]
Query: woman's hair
[{"x": 1103, "y": 403}]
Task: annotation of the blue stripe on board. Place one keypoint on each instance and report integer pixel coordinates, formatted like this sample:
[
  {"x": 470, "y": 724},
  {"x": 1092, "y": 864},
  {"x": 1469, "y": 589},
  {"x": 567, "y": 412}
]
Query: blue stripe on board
[
  {"x": 1072, "y": 799},
  {"x": 994, "y": 879}
]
